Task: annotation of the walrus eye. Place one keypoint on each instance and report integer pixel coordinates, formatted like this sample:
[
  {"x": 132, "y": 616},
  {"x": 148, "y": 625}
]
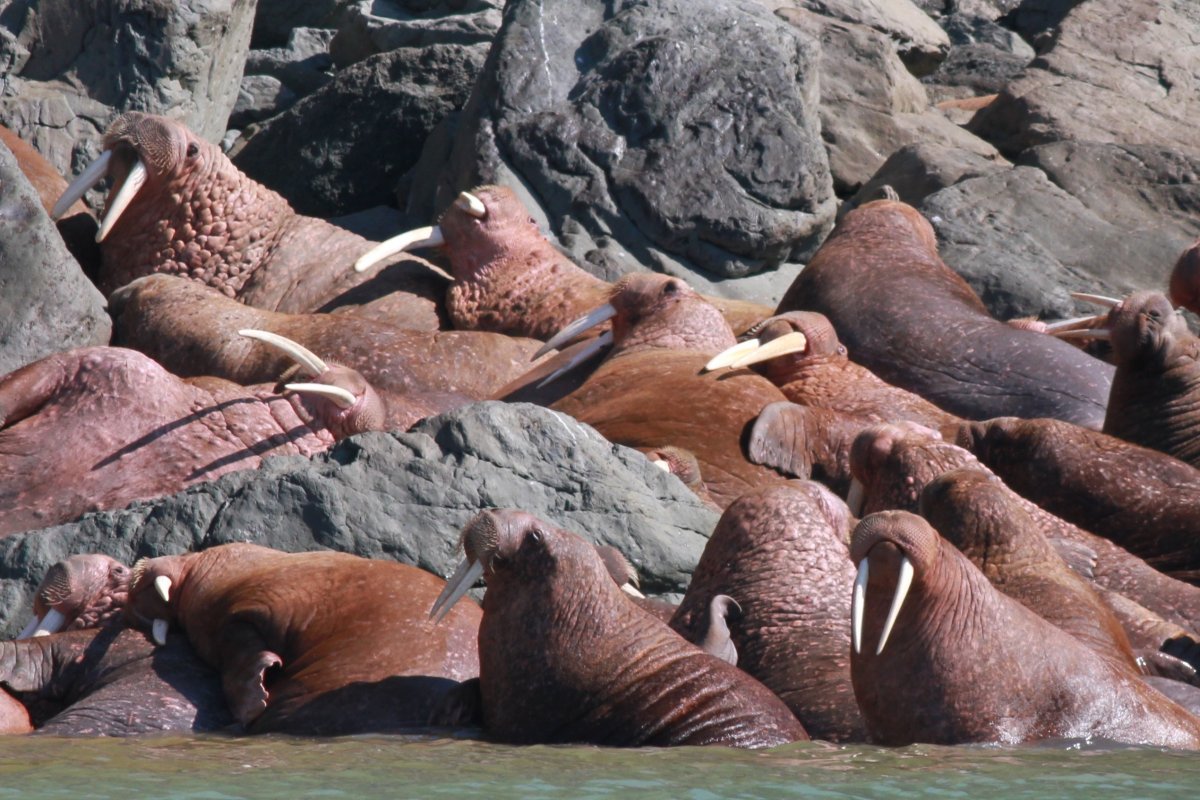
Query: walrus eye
[
  {"x": 193, "y": 150},
  {"x": 670, "y": 288},
  {"x": 536, "y": 536}
]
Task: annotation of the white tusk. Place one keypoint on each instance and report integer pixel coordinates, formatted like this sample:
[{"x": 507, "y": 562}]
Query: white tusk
[
  {"x": 857, "y": 603},
  {"x": 471, "y": 204},
  {"x": 162, "y": 585},
  {"x": 583, "y": 354},
  {"x": 29, "y": 629},
  {"x": 589, "y": 320},
  {"x": 295, "y": 351},
  {"x": 411, "y": 240},
  {"x": 116, "y": 207},
  {"x": 94, "y": 173},
  {"x": 463, "y": 579},
  {"x": 1096, "y": 299},
  {"x": 903, "y": 582},
  {"x": 729, "y": 355},
  {"x": 342, "y": 398},
  {"x": 662, "y": 464},
  {"x": 794, "y": 342},
  {"x": 158, "y": 631},
  {"x": 51, "y": 623},
  {"x": 629, "y": 589},
  {"x": 1083, "y": 333},
  {"x": 1074, "y": 322},
  {"x": 856, "y": 497}
]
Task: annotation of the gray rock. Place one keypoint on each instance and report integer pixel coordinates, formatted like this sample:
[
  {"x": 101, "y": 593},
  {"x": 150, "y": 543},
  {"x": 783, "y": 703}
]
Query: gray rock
[
  {"x": 405, "y": 497},
  {"x": 276, "y": 19},
  {"x": 972, "y": 70},
  {"x": 46, "y": 303},
  {"x": 672, "y": 134},
  {"x": 348, "y": 143},
  {"x": 87, "y": 62},
  {"x": 302, "y": 65},
  {"x": 975, "y": 29},
  {"x": 918, "y": 170},
  {"x": 376, "y": 26},
  {"x": 1036, "y": 20},
  {"x": 921, "y": 41},
  {"x": 260, "y": 97}
]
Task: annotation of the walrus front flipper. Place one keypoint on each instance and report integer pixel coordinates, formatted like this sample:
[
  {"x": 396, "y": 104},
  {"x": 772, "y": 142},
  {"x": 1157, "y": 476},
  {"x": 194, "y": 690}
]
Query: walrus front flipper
[
  {"x": 1079, "y": 556},
  {"x": 778, "y": 440},
  {"x": 25, "y": 390},
  {"x": 461, "y": 707},
  {"x": 717, "y": 640},
  {"x": 245, "y": 675}
]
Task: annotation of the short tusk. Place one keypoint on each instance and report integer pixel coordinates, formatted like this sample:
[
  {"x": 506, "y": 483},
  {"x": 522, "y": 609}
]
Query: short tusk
[
  {"x": 51, "y": 623},
  {"x": 471, "y": 204},
  {"x": 162, "y": 585},
  {"x": 589, "y": 320},
  {"x": 342, "y": 398},
  {"x": 857, "y": 603},
  {"x": 903, "y": 583},
  {"x": 1096, "y": 299},
  {"x": 1083, "y": 333},
  {"x": 116, "y": 207},
  {"x": 411, "y": 240},
  {"x": 662, "y": 464},
  {"x": 29, "y": 629},
  {"x": 158, "y": 631},
  {"x": 293, "y": 350},
  {"x": 794, "y": 342},
  {"x": 856, "y": 497},
  {"x": 726, "y": 357},
  {"x": 94, "y": 173},
  {"x": 631, "y": 590},
  {"x": 460, "y": 582},
  {"x": 583, "y": 354}
]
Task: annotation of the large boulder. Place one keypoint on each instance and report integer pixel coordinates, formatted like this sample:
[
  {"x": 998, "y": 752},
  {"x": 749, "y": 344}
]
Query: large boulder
[
  {"x": 403, "y": 496},
  {"x": 680, "y": 135},
  {"x": 921, "y": 42}
]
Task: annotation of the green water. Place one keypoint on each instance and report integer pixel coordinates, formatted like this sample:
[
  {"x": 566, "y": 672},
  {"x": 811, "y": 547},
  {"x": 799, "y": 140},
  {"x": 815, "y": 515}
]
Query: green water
[{"x": 214, "y": 768}]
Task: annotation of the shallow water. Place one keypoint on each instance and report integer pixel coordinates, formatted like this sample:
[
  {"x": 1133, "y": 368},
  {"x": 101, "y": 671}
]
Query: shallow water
[{"x": 217, "y": 768}]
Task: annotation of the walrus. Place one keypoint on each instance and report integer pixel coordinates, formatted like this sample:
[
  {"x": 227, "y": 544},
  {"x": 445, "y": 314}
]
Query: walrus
[
  {"x": 941, "y": 656},
  {"x": 1184, "y": 283},
  {"x": 85, "y": 590},
  {"x": 564, "y": 656},
  {"x": 907, "y": 317}
]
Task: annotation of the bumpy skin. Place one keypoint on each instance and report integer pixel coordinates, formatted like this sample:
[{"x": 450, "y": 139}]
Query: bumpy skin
[
  {"x": 966, "y": 663},
  {"x": 112, "y": 681},
  {"x": 88, "y": 589},
  {"x": 1185, "y": 279},
  {"x": 565, "y": 657},
  {"x": 315, "y": 643},
  {"x": 193, "y": 330},
  {"x": 824, "y": 376},
  {"x": 1155, "y": 399},
  {"x": 510, "y": 279},
  {"x": 650, "y": 392},
  {"x": 135, "y": 431},
  {"x": 782, "y": 554},
  {"x": 974, "y": 512},
  {"x": 1147, "y": 502},
  {"x": 904, "y": 315},
  {"x": 198, "y": 216}
]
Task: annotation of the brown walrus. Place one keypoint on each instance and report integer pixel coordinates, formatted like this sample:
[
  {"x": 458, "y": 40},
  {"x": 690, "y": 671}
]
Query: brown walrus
[
  {"x": 85, "y": 590},
  {"x": 565, "y": 657},
  {"x": 1184, "y": 284}
]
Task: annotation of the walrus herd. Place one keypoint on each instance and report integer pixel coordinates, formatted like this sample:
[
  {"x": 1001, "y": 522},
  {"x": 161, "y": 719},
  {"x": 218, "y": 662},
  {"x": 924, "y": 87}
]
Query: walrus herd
[{"x": 936, "y": 526}]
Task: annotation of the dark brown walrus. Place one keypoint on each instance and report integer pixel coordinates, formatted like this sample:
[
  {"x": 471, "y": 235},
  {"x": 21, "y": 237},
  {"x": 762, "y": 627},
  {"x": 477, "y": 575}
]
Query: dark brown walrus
[
  {"x": 318, "y": 643},
  {"x": 941, "y": 656},
  {"x": 1184, "y": 285},
  {"x": 908, "y": 318},
  {"x": 564, "y": 656}
]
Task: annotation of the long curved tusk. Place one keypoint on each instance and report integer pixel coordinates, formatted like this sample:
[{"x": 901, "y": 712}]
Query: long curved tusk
[
  {"x": 1074, "y": 322},
  {"x": 903, "y": 582},
  {"x": 116, "y": 207},
  {"x": 726, "y": 357},
  {"x": 856, "y": 497},
  {"x": 794, "y": 342},
  {"x": 342, "y": 398},
  {"x": 306, "y": 358},
  {"x": 94, "y": 173},
  {"x": 1083, "y": 333},
  {"x": 857, "y": 603},
  {"x": 410, "y": 240},
  {"x": 29, "y": 629},
  {"x": 631, "y": 590},
  {"x": 51, "y": 623},
  {"x": 1096, "y": 299},
  {"x": 158, "y": 631},
  {"x": 583, "y": 354},
  {"x": 162, "y": 585},
  {"x": 471, "y": 204},
  {"x": 463, "y": 579},
  {"x": 589, "y": 320}
]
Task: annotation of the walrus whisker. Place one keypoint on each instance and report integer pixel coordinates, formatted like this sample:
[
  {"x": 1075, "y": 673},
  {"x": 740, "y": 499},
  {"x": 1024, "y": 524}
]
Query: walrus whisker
[
  {"x": 116, "y": 207},
  {"x": 95, "y": 172},
  {"x": 429, "y": 236},
  {"x": 903, "y": 583}
]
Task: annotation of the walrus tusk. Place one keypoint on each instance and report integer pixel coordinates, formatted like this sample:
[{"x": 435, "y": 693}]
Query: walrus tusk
[
  {"x": 794, "y": 342},
  {"x": 629, "y": 589},
  {"x": 51, "y": 623},
  {"x": 116, "y": 207},
  {"x": 726, "y": 357},
  {"x": 28, "y": 630},
  {"x": 662, "y": 464},
  {"x": 411, "y": 240},
  {"x": 1074, "y": 323},
  {"x": 903, "y": 583},
  {"x": 297, "y": 352},
  {"x": 158, "y": 631},
  {"x": 342, "y": 398},
  {"x": 857, "y": 602},
  {"x": 590, "y": 349},
  {"x": 471, "y": 204},
  {"x": 162, "y": 585},
  {"x": 94, "y": 173},
  {"x": 856, "y": 497},
  {"x": 463, "y": 579},
  {"x": 1096, "y": 299},
  {"x": 1083, "y": 333},
  {"x": 589, "y": 320}
]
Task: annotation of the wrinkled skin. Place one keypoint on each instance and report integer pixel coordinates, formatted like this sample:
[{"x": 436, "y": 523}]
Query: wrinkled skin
[
  {"x": 136, "y": 432},
  {"x": 1155, "y": 399},
  {"x": 198, "y": 216},
  {"x": 565, "y": 657},
  {"x": 88, "y": 590},
  {"x": 193, "y": 330},
  {"x": 663, "y": 334},
  {"x": 966, "y": 663},
  {"x": 315, "y": 643},
  {"x": 781, "y": 553},
  {"x": 112, "y": 681},
  {"x": 904, "y": 315},
  {"x": 1185, "y": 279}
]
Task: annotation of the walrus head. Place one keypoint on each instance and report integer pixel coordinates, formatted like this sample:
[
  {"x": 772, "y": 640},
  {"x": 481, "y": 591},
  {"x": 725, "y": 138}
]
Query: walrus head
[
  {"x": 152, "y": 594},
  {"x": 82, "y": 591},
  {"x": 891, "y": 463}
]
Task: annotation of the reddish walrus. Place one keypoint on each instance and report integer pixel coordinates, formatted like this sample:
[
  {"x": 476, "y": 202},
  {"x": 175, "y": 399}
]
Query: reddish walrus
[
  {"x": 907, "y": 317},
  {"x": 564, "y": 656}
]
